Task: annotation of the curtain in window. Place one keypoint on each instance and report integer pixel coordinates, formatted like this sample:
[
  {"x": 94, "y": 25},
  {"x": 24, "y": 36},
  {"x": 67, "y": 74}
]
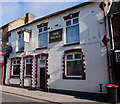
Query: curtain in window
[
  {"x": 16, "y": 69},
  {"x": 43, "y": 40},
  {"x": 72, "y": 34},
  {"x": 74, "y": 68}
]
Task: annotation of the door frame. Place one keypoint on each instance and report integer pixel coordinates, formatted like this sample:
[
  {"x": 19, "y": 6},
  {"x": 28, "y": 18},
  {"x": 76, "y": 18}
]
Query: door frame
[{"x": 37, "y": 56}]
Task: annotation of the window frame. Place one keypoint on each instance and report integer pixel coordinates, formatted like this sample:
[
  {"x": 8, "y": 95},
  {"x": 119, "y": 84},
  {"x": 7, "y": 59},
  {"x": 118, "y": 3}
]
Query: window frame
[
  {"x": 12, "y": 65},
  {"x": 72, "y": 22},
  {"x": 69, "y": 52},
  {"x": 21, "y": 39},
  {"x": 28, "y": 57},
  {"x": 42, "y": 33},
  {"x": 66, "y": 60},
  {"x": 71, "y": 19}
]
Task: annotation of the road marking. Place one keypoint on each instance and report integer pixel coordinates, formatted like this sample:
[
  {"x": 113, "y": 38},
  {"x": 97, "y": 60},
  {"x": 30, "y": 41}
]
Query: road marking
[{"x": 24, "y": 97}]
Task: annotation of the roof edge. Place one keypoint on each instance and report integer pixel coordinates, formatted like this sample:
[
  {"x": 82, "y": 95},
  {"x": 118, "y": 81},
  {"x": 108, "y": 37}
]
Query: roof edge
[{"x": 56, "y": 13}]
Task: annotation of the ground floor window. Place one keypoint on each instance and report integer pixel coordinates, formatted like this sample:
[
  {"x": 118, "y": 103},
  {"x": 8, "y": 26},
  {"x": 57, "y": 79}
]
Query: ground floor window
[
  {"x": 28, "y": 68},
  {"x": 74, "y": 67},
  {"x": 16, "y": 67}
]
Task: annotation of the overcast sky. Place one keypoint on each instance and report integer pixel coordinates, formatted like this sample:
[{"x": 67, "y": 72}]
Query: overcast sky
[{"x": 14, "y": 9}]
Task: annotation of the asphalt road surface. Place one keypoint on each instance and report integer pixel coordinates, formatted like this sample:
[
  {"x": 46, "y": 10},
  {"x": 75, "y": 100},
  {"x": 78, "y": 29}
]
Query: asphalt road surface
[{"x": 9, "y": 98}]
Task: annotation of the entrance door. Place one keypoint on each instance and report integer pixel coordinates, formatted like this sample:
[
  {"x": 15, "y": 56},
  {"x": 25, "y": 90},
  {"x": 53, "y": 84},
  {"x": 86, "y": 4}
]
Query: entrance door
[{"x": 42, "y": 78}]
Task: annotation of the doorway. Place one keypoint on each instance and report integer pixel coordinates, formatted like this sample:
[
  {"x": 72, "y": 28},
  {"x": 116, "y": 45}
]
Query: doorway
[
  {"x": 42, "y": 72},
  {"x": 42, "y": 78}
]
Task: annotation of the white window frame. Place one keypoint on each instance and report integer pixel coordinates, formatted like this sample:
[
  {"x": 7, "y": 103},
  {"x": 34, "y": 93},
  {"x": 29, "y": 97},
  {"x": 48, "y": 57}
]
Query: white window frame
[
  {"x": 72, "y": 60},
  {"x": 42, "y": 33},
  {"x": 21, "y": 39},
  {"x": 25, "y": 66},
  {"x": 13, "y": 67},
  {"x": 71, "y": 26}
]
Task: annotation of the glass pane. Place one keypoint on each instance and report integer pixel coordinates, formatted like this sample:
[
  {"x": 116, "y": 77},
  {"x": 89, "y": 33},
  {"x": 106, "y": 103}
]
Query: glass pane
[
  {"x": 21, "y": 44},
  {"x": 19, "y": 36},
  {"x": 68, "y": 23},
  {"x": 40, "y": 30},
  {"x": 69, "y": 56},
  {"x": 75, "y": 21},
  {"x": 78, "y": 56},
  {"x": 45, "y": 28},
  {"x": 72, "y": 34},
  {"x": 14, "y": 62},
  {"x": 16, "y": 69},
  {"x": 18, "y": 61},
  {"x": 28, "y": 61},
  {"x": 43, "y": 40},
  {"x": 74, "y": 68},
  {"x": 28, "y": 69}
]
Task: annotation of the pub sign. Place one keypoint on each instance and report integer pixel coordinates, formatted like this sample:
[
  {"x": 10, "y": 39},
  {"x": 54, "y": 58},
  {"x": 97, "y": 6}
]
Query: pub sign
[{"x": 55, "y": 36}]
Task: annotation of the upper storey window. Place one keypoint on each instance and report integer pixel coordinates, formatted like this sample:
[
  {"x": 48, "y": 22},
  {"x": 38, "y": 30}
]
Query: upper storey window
[
  {"x": 20, "y": 42},
  {"x": 72, "y": 28},
  {"x": 72, "y": 31},
  {"x": 43, "y": 35}
]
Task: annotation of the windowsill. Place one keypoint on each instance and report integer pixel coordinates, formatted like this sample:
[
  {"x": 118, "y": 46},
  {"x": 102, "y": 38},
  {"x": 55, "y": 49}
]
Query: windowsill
[
  {"x": 41, "y": 48},
  {"x": 15, "y": 76},
  {"x": 27, "y": 76},
  {"x": 68, "y": 44},
  {"x": 20, "y": 51},
  {"x": 76, "y": 78},
  {"x": 56, "y": 41}
]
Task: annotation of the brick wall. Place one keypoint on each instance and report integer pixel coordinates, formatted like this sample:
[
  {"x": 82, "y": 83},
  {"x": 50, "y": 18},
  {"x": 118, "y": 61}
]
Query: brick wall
[
  {"x": 116, "y": 30},
  {"x": 4, "y": 37}
]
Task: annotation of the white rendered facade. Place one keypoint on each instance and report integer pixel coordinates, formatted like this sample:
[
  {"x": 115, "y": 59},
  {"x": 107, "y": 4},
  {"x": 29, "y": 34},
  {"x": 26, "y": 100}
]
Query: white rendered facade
[{"x": 91, "y": 33}]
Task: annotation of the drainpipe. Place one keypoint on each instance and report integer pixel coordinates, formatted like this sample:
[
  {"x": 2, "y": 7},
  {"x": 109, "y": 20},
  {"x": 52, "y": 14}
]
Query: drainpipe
[
  {"x": 112, "y": 32},
  {"x": 3, "y": 75},
  {"x": 108, "y": 62}
]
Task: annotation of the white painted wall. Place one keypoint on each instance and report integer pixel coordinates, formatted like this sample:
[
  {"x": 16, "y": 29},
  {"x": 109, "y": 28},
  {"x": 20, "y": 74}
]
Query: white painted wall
[{"x": 91, "y": 34}]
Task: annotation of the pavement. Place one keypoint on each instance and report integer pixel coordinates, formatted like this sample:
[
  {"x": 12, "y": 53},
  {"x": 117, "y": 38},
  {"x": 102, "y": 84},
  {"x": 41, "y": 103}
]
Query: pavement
[{"x": 46, "y": 96}]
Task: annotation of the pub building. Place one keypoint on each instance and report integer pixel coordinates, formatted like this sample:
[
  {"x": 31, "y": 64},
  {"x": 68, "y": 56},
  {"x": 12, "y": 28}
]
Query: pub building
[{"x": 62, "y": 51}]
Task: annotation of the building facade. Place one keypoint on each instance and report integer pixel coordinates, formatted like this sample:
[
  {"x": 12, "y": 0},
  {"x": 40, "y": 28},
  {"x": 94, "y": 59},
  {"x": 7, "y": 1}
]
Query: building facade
[
  {"x": 63, "y": 50},
  {"x": 4, "y": 36}
]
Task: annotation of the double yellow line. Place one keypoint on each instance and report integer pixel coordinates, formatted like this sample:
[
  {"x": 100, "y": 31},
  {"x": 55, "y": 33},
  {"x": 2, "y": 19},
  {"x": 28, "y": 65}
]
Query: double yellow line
[{"x": 32, "y": 99}]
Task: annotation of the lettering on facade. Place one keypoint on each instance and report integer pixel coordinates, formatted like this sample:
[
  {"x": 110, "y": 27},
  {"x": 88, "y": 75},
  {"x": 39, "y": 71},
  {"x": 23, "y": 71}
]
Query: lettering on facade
[{"x": 55, "y": 35}]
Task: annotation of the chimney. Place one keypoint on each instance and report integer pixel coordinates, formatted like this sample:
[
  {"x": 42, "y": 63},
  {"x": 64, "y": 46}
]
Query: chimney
[{"x": 29, "y": 18}]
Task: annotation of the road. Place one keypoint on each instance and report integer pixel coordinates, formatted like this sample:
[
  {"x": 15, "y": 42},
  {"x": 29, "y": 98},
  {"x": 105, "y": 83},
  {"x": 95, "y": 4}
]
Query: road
[{"x": 10, "y": 98}]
